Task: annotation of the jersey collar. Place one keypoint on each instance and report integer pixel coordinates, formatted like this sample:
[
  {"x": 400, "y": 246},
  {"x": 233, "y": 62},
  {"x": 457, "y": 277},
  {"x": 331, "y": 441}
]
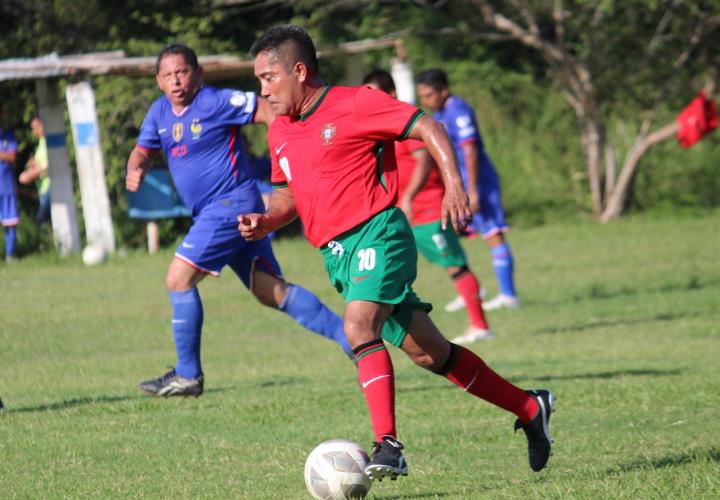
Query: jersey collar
[{"x": 321, "y": 97}]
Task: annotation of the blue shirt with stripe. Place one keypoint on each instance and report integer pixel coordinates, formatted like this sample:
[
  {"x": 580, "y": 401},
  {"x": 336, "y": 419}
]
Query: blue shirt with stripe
[
  {"x": 203, "y": 145},
  {"x": 8, "y": 143}
]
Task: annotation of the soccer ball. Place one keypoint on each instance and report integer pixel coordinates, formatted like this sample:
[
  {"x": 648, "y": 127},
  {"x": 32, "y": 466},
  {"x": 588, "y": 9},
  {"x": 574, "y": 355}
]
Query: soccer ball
[
  {"x": 335, "y": 469},
  {"x": 93, "y": 255}
]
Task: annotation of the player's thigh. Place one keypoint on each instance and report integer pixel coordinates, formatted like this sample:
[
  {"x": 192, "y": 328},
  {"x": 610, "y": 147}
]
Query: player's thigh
[
  {"x": 439, "y": 246},
  {"x": 255, "y": 264},
  {"x": 491, "y": 217},
  {"x": 212, "y": 242},
  {"x": 182, "y": 276}
]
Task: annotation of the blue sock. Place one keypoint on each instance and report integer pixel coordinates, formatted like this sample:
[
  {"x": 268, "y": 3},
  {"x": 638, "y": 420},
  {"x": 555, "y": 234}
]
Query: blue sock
[
  {"x": 306, "y": 309},
  {"x": 187, "y": 326},
  {"x": 503, "y": 263},
  {"x": 10, "y": 241}
]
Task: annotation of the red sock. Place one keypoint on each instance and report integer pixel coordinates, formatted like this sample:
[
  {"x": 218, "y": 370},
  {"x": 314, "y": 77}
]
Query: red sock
[
  {"x": 377, "y": 380},
  {"x": 474, "y": 376},
  {"x": 468, "y": 288}
]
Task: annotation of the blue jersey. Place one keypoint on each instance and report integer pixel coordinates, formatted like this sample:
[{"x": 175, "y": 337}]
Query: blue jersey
[
  {"x": 203, "y": 145},
  {"x": 461, "y": 125},
  {"x": 7, "y": 178}
]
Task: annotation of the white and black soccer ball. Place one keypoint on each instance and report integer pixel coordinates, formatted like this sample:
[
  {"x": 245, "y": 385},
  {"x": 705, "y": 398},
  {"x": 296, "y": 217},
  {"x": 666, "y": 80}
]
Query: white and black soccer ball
[
  {"x": 335, "y": 469},
  {"x": 93, "y": 255}
]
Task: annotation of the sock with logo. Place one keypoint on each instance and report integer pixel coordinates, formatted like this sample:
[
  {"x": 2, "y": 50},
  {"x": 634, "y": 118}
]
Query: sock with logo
[
  {"x": 377, "y": 380},
  {"x": 468, "y": 288},
  {"x": 466, "y": 370},
  {"x": 305, "y": 308},
  {"x": 10, "y": 241},
  {"x": 187, "y": 327},
  {"x": 503, "y": 263}
]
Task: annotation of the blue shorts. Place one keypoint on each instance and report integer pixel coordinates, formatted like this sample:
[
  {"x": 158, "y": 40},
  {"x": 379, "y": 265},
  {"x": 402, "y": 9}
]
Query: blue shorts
[
  {"x": 8, "y": 210},
  {"x": 490, "y": 219},
  {"x": 214, "y": 242}
]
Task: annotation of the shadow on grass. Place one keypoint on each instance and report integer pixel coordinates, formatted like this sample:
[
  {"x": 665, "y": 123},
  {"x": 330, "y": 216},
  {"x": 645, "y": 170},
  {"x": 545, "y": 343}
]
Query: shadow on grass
[
  {"x": 90, "y": 400},
  {"x": 677, "y": 460},
  {"x": 657, "y": 318},
  {"x": 281, "y": 382},
  {"x": 599, "y": 290},
  {"x": 434, "y": 494},
  {"x": 641, "y": 372}
]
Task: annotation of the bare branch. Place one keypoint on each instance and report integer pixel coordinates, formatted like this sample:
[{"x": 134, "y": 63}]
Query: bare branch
[
  {"x": 558, "y": 18},
  {"x": 524, "y": 9}
]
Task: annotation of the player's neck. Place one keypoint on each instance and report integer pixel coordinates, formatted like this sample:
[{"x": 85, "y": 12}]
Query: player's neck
[{"x": 311, "y": 97}]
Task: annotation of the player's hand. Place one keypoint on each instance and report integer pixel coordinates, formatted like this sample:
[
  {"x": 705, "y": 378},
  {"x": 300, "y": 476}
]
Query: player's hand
[
  {"x": 133, "y": 179},
  {"x": 406, "y": 206},
  {"x": 253, "y": 227},
  {"x": 456, "y": 208},
  {"x": 474, "y": 197}
]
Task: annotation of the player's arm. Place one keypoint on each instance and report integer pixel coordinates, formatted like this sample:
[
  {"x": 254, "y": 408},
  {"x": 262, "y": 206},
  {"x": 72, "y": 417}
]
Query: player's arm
[
  {"x": 31, "y": 172},
  {"x": 470, "y": 152},
  {"x": 280, "y": 212},
  {"x": 455, "y": 204},
  {"x": 8, "y": 156},
  {"x": 421, "y": 172},
  {"x": 264, "y": 113},
  {"x": 137, "y": 166}
]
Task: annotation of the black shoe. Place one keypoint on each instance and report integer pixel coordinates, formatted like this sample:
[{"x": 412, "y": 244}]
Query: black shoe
[
  {"x": 387, "y": 460},
  {"x": 538, "y": 429},
  {"x": 172, "y": 384}
]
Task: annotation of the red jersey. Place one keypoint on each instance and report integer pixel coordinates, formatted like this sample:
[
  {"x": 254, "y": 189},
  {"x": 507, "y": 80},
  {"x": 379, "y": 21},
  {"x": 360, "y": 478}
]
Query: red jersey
[
  {"x": 427, "y": 204},
  {"x": 339, "y": 158}
]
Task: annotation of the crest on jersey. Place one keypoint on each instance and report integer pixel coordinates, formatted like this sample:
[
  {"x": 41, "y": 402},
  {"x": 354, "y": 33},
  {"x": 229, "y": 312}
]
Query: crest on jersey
[
  {"x": 177, "y": 131},
  {"x": 328, "y": 133},
  {"x": 238, "y": 99},
  {"x": 196, "y": 128}
]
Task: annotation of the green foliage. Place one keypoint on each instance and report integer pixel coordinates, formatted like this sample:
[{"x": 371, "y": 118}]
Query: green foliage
[{"x": 528, "y": 129}]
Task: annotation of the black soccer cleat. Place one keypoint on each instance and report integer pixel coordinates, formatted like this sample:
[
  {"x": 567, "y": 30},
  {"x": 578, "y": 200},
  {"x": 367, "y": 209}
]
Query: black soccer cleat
[
  {"x": 537, "y": 430},
  {"x": 387, "y": 460},
  {"x": 172, "y": 384}
]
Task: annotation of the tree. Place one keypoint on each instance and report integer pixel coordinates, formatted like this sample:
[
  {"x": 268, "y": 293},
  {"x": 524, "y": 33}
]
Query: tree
[{"x": 610, "y": 56}]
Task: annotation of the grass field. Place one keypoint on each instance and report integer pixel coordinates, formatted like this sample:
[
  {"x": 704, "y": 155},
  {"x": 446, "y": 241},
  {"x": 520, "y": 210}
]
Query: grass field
[{"x": 621, "y": 321}]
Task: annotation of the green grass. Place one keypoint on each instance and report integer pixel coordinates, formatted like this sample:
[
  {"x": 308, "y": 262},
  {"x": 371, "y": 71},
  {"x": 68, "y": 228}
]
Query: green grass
[{"x": 621, "y": 321}]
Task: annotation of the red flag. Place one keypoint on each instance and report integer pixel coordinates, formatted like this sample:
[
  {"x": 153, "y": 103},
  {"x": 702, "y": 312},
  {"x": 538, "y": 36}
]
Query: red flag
[{"x": 698, "y": 119}]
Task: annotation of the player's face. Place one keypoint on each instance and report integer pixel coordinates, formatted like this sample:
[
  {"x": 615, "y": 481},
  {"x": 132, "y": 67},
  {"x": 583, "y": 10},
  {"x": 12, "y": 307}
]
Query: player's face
[
  {"x": 281, "y": 88},
  {"x": 178, "y": 80},
  {"x": 431, "y": 98}
]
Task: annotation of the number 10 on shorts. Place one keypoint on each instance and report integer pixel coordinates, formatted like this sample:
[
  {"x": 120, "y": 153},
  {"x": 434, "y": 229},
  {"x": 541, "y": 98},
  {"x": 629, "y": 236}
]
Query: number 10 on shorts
[{"x": 366, "y": 257}]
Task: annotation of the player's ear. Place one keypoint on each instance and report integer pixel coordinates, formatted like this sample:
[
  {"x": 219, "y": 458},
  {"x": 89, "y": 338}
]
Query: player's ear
[
  {"x": 159, "y": 84},
  {"x": 300, "y": 71}
]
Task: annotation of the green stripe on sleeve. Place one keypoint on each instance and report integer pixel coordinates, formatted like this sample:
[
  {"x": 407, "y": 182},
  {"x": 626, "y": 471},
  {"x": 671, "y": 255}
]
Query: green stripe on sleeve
[{"x": 415, "y": 117}]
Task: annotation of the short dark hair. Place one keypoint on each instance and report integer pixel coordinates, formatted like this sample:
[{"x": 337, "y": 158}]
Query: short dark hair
[
  {"x": 177, "y": 48},
  {"x": 291, "y": 44},
  {"x": 382, "y": 79},
  {"x": 435, "y": 78}
]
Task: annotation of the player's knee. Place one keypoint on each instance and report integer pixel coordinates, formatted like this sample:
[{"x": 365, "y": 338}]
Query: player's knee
[
  {"x": 265, "y": 297},
  {"x": 423, "y": 360}
]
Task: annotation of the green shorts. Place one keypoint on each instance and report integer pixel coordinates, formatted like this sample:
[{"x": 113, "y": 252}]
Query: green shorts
[
  {"x": 377, "y": 262},
  {"x": 438, "y": 246}
]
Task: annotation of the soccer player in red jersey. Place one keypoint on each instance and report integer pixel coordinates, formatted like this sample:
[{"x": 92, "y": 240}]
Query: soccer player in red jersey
[
  {"x": 333, "y": 165},
  {"x": 420, "y": 193}
]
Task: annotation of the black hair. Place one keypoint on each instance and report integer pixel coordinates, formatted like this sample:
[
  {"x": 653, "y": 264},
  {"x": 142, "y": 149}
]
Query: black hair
[
  {"x": 291, "y": 44},
  {"x": 435, "y": 78},
  {"x": 177, "y": 48},
  {"x": 382, "y": 79}
]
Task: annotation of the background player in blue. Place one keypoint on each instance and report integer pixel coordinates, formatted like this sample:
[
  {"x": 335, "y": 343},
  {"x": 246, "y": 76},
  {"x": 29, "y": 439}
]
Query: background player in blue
[
  {"x": 480, "y": 178},
  {"x": 9, "y": 217},
  {"x": 198, "y": 128}
]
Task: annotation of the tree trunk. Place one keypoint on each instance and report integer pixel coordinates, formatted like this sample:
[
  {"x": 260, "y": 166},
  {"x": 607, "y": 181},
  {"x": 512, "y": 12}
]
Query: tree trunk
[{"x": 616, "y": 199}]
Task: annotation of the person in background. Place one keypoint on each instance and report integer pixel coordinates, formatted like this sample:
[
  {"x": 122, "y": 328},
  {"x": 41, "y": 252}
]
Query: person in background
[
  {"x": 420, "y": 194},
  {"x": 198, "y": 129},
  {"x": 9, "y": 217},
  {"x": 37, "y": 170},
  {"x": 480, "y": 178}
]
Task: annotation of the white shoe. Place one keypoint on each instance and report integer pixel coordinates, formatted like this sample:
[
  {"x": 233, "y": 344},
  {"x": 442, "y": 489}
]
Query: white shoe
[
  {"x": 501, "y": 301},
  {"x": 458, "y": 303},
  {"x": 473, "y": 334}
]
